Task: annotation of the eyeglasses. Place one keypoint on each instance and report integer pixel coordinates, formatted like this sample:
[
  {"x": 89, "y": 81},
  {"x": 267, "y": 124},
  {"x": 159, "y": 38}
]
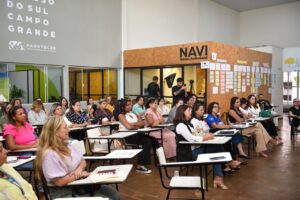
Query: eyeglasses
[{"x": 216, "y": 106}]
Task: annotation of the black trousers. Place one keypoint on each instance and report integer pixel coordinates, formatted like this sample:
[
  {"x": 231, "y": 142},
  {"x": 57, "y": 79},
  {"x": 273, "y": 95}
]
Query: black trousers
[
  {"x": 146, "y": 142},
  {"x": 270, "y": 127}
]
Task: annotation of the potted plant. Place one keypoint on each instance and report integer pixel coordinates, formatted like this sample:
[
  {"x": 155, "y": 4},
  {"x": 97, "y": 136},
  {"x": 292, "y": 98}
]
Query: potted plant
[{"x": 16, "y": 92}]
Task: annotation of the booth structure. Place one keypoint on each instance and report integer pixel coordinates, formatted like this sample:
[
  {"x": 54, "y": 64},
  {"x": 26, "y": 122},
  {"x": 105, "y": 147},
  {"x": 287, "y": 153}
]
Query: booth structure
[{"x": 211, "y": 70}]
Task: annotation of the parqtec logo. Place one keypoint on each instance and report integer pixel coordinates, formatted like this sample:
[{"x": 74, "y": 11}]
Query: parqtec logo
[{"x": 16, "y": 45}]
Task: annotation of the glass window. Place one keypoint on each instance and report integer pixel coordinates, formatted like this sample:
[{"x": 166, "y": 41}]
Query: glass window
[
  {"x": 170, "y": 74},
  {"x": 132, "y": 82},
  {"x": 110, "y": 83},
  {"x": 148, "y": 78},
  {"x": 92, "y": 82},
  {"x": 54, "y": 89},
  {"x": 4, "y": 82}
]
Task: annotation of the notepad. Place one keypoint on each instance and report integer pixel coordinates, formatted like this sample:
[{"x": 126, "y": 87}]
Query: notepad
[{"x": 107, "y": 175}]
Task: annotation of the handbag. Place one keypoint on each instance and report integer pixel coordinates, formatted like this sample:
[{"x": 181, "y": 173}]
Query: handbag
[{"x": 265, "y": 113}]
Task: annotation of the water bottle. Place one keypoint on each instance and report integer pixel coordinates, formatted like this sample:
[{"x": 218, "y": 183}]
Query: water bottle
[{"x": 176, "y": 173}]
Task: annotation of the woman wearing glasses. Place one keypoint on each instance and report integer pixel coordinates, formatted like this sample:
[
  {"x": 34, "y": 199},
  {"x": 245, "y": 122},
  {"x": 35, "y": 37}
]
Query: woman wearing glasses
[{"x": 214, "y": 121}]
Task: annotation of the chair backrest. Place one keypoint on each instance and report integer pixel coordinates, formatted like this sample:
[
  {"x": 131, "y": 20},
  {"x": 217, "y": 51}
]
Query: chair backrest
[
  {"x": 94, "y": 133},
  {"x": 225, "y": 118},
  {"x": 161, "y": 156},
  {"x": 79, "y": 146}
]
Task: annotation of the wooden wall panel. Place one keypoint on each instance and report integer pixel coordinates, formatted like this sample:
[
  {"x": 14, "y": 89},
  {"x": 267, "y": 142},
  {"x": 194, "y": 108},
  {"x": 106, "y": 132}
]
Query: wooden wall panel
[{"x": 170, "y": 55}]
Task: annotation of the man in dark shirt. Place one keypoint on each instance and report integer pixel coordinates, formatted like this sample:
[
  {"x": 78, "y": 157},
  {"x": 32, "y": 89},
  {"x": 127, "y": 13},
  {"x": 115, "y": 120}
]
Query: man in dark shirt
[
  {"x": 263, "y": 103},
  {"x": 295, "y": 113},
  {"x": 179, "y": 90},
  {"x": 153, "y": 88}
]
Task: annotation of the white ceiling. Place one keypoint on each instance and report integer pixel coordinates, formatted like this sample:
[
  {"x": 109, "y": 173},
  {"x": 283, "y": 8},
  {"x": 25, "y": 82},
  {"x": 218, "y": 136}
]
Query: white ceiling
[{"x": 243, "y": 5}]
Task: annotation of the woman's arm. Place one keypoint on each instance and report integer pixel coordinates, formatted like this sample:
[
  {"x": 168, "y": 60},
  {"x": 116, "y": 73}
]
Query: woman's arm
[
  {"x": 149, "y": 119},
  {"x": 11, "y": 145},
  {"x": 74, "y": 175},
  {"x": 129, "y": 126},
  {"x": 233, "y": 114}
]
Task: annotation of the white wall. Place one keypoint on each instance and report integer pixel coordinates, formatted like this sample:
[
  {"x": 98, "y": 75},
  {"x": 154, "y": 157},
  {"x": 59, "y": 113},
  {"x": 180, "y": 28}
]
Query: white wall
[
  {"x": 151, "y": 23},
  {"x": 217, "y": 23},
  {"x": 276, "y": 26}
]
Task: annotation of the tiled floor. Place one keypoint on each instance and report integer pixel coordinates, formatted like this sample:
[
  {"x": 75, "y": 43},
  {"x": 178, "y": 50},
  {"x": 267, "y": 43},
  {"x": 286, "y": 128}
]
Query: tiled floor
[{"x": 275, "y": 177}]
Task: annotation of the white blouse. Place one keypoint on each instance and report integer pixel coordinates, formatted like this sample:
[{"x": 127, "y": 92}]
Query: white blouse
[
  {"x": 164, "y": 110},
  {"x": 130, "y": 118},
  {"x": 254, "y": 111},
  {"x": 199, "y": 124},
  {"x": 37, "y": 118},
  {"x": 182, "y": 129}
]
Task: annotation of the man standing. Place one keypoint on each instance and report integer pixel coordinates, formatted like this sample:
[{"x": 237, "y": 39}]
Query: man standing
[
  {"x": 179, "y": 91},
  {"x": 153, "y": 88}
]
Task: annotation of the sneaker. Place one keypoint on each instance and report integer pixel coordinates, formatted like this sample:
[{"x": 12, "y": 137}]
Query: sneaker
[{"x": 143, "y": 169}]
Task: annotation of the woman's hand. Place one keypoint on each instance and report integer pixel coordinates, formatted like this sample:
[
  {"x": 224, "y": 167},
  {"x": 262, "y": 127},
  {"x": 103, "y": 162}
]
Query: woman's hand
[
  {"x": 208, "y": 136},
  {"x": 77, "y": 173},
  {"x": 85, "y": 174}
]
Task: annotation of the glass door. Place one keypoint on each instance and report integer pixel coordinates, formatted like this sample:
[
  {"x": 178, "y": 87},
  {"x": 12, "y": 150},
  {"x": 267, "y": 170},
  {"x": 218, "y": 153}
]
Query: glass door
[
  {"x": 4, "y": 82},
  {"x": 148, "y": 75},
  {"x": 170, "y": 74}
]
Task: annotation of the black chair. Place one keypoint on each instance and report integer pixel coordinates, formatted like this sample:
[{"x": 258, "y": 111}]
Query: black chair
[{"x": 294, "y": 132}]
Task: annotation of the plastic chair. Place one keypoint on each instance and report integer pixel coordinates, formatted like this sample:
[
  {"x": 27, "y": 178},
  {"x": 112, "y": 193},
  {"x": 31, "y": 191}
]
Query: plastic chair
[{"x": 179, "y": 182}]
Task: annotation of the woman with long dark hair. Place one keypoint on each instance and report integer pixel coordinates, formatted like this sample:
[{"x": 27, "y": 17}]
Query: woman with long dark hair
[
  {"x": 184, "y": 130},
  {"x": 130, "y": 121},
  {"x": 262, "y": 137}
]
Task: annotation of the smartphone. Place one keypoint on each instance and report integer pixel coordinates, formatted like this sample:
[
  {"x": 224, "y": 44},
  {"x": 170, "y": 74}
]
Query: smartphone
[
  {"x": 217, "y": 158},
  {"x": 23, "y": 157}
]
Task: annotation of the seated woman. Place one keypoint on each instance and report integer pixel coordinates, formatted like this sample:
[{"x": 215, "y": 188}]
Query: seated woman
[
  {"x": 60, "y": 163},
  {"x": 102, "y": 114},
  {"x": 18, "y": 132},
  {"x": 57, "y": 110},
  {"x": 12, "y": 184},
  {"x": 214, "y": 121},
  {"x": 4, "y": 118},
  {"x": 152, "y": 119},
  {"x": 139, "y": 108},
  {"x": 130, "y": 121},
  {"x": 37, "y": 115},
  {"x": 76, "y": 116},
  {"x": 172, "y": 113},
  {"x": 262, "y": 137},
  {"x": 163, "y": 109},
  {"x": 184, "y": 130},
  {"x": 110, "y": 106},
  {"x": 64, "y": 104},
  {"x": 91, "y": 108},
  {"x": 269, "y": 125}
]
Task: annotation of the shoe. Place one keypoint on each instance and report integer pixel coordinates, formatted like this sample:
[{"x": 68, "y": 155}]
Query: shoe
[
  {"x": 220, "y": 184},
  {"x": 244, "y": 163},
  {"x": 242, "y": 156},
  {"x": 143, "y": 169},
  {"x": 228, "y": 171}
]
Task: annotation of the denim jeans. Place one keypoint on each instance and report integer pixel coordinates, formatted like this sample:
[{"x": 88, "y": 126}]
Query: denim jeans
[{"x": 210, "y": 149}]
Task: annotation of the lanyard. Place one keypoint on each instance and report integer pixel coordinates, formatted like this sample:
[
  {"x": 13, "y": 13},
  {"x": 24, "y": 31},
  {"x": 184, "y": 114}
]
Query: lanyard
[{"x": 10, "y": 179}]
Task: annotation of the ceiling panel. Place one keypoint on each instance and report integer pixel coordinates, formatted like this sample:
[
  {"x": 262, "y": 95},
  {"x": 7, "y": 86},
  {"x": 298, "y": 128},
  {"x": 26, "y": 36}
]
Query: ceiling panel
[{"x": 243, "y": 5}]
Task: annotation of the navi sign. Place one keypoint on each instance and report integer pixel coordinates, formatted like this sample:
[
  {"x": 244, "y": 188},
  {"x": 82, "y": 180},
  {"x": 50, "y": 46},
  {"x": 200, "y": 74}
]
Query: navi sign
[{"x": 193, "y": 53}]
